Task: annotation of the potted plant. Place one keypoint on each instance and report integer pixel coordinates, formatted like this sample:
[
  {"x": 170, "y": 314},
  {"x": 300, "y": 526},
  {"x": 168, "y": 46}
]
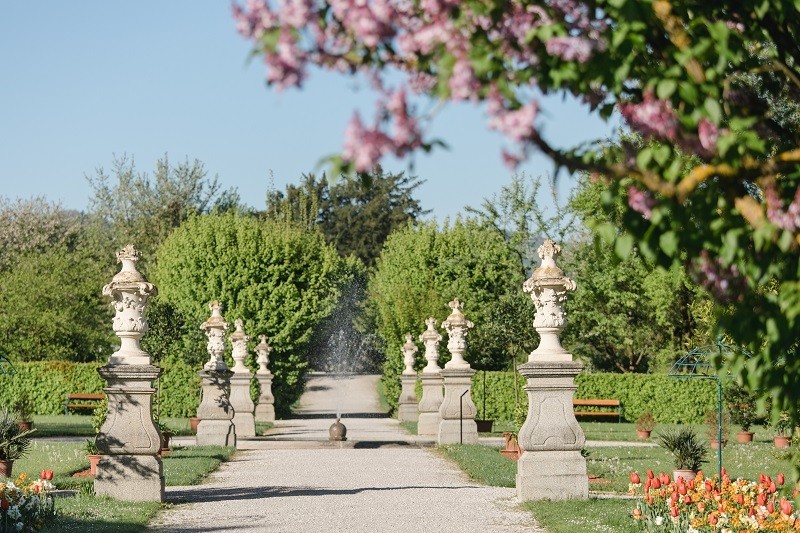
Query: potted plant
[
  {"x": 512, "y": 449},
  {"x": 645, "y": 424},
  {"x": 688, "y": 452},
  {"x": 712, "y": 427},
  {"x": 166, "y": 434},
  {"x": 14, "y": 441},
  {"x": 742, "y": 408},
  {"x": 24, "y": 411},
  {"x": 783, "y": 427},
  {"x": 94, "y": 455}
]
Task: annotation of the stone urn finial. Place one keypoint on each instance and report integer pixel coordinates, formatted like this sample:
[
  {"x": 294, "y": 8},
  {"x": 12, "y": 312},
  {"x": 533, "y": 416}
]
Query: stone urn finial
[
  {"x": 409, "y": 350},
  {"x": 215, "y": 328},
  {"x": 431, "y": 338},
  {"x": 457, "y": 327},
  {"x": 130, "y": 292},
  {"x": 239, "y": 343},
  {"x": 548, "y": 288},
  {"x": 263, "y": 350}
]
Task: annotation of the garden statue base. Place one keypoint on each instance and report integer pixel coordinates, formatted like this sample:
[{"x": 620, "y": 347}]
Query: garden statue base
[
  {"x": 457, "y": 410},
  {"x": 552, "y": 466},
  {"x": 135, "y": 478},
  {"x": 407, "y": 410},
  {"x": 432, "y": 397},
  {"x": 129, "y": 440},
  {"x": 552, "y": 475},
  {"x": 265, "y": 408},
  {"x": 243, "y": 405},
  {"x": 215, "y": 412}
]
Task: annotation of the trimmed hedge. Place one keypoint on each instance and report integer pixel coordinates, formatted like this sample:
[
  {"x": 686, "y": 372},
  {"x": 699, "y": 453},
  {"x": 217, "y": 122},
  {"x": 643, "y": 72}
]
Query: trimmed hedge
[
  {"x": 671, "y": 400},
  {"x": 47, "y": 384}
]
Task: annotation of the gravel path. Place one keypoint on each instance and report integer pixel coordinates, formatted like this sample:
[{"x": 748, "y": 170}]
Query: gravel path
[{"x": 380, "y": 480}]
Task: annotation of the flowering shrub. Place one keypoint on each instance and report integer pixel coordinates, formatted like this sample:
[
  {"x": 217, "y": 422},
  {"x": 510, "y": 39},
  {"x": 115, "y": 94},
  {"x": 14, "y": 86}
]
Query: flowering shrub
[
  {"x": 26, "y": 505},
  {"x": 704, "y": 504}
]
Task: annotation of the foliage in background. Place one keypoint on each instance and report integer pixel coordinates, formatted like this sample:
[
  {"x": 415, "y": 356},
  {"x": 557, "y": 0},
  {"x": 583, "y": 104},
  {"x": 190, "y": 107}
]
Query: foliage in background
[
  {"x": 47, "y": 384},
  {"x": 423, "y": 268},
  {"x": 172, "y": 336},
  {"x": 281, "y": 280},
  {"x": 718, "y": 80},
  {"x": 142, "y": 209},
  {"x": 355, "y": 214}
]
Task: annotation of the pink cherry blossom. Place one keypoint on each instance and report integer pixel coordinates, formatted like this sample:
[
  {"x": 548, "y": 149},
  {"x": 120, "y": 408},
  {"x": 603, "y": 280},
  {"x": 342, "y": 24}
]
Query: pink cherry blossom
[
  {"x": 651, "y": 117},
  {"x": 463, "y": 84},
  {"x": 708, "y": 133},
  {"x": 641, "y": 202},
  {"x": 517, "y": 124},
  {"x": 570, "y": 48},
  {"x": 788, "y": 219}
]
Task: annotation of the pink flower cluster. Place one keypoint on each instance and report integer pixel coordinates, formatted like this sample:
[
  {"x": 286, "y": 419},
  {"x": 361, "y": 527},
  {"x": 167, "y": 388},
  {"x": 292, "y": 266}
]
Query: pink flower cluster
[
  {"x": 789, "y": 218},
  {"x": 652, "y": 117},
  {"x": 570, "y": 48},
  {"x": 641, "y": 202},
  {"x": 724, "y": 283}
]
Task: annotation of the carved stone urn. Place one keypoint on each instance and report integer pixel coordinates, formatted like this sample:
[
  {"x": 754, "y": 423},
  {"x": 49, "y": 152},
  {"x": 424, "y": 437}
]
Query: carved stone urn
[
  {"x": 431, "y": 378},
  {"x": 129, "y": 440},
  {"x": 407, "y": 403},
  {"x": 457, "y": 410},
  {"x": 243, "y": 406},
  {"x": 265, "y": 408},
  {"x": 215, "y": 411},
  {"x": 552, "y": 466}
]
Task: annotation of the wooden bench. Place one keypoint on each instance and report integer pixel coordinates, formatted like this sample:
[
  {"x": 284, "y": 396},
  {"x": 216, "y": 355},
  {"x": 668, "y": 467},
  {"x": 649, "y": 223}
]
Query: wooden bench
[
  {"x": 616, "y": 404},
  {"x": 79, "y": 401}
]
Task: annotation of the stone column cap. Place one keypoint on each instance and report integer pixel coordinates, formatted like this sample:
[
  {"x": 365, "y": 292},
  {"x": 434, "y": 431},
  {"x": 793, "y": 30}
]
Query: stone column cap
[
  {"x": 549, "y": 368},
  {"x": 458, "y": 372},
  {"x": 145, "y": 372}
]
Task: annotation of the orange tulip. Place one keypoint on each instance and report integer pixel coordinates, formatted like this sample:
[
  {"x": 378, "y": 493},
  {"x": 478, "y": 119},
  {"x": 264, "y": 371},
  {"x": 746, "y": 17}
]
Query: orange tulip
[
  {"x": 637, "y": 513},
  {"x": 781, "y": 479},
  {"x": 635, "y": 477},
  {"x": 712, "y": 519},
  {"x": 687, "y": 500},
  {"x": 786, "y": 507},
  {"x": 681, "y": 488},
  {"x": 740, "y": 499},
  {"x": 770, "y": 508},
  {"x": 761, "y": 499},
  {"x": 650, "y": 474},
  {"x": 673, "y": 511},
  {"x": 701, "y": 506},
  {"x": 772, "y": 488}
]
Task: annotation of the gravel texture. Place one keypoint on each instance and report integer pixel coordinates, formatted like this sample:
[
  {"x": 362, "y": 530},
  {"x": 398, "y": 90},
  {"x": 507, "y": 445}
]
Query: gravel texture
[{"x": 381, "y": 479}]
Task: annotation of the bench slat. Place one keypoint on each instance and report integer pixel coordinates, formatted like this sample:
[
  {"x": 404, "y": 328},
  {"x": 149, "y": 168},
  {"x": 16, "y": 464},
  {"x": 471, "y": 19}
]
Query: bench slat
[{"x": 72, "y": 401}]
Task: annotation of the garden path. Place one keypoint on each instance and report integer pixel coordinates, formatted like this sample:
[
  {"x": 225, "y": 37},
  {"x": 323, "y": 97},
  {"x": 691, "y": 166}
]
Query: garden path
[{"x": 381, "y": 479}]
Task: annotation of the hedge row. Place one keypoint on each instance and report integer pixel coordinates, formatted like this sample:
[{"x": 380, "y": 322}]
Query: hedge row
[
  {"x": 670, "y": 399},
  {"x": 48, "y": 383}
]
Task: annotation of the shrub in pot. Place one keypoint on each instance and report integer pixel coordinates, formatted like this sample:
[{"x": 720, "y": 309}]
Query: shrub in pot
[
  {"x": 783, "y": 431},
  {"x": 712, "y": 427},
  {"x": 94, "y": 455},
  {"x": 688, "y": 451},
  {"x": 645, "y": 424},
  {"x": 14, "y": 441},
  {"x": 24, "y": 411},
  {"x": 741, "y": 405}
]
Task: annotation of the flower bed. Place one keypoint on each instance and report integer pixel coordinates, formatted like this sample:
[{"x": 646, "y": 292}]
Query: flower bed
[
  {"x": 25, "y": 505},
  {"x": 705, "y": 505}
]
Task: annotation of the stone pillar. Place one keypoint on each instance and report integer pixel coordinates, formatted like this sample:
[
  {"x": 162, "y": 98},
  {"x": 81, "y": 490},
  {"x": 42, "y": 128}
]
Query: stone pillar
[
  {"x": 551, "y": 466},
  {"x": 243, "y": 405},
  {"x": 431, "y": 377},
  {"x": 215, "y": 411},
  {"x": 457, "y": 409},
  {"x": 129, "y": 440},
  {"x": 265, "y": 408},
  {"x": 407, "y": 404}
]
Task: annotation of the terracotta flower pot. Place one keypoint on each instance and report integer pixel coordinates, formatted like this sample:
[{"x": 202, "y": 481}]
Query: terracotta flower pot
[
  {"x": 25, "y": 425},
  {"x": 165, "y": 438},
  {"x": 93, "y": 461},
  {"x": 744, "y": 437},
  {"x": 687, "y": 475},
  {"x": 642, "y": 434},
  {"x": 6, "y": 467},
  {"x": 512, "y": 449},
  {"x": 193, "y": 423},
  {"x": 715, "y": 443},
  {"x": 781, "y": 441}
]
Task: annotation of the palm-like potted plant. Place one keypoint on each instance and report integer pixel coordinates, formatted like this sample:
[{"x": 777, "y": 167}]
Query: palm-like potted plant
[
  {"x": 24, "y": 411},
  {"x": 688, "y": 451},
  {"x": 742, "y": 407},
  {"x": 783, "y": 431},
  {"x": 645, "y": 424},
  {"x": 14, "y": 441}
]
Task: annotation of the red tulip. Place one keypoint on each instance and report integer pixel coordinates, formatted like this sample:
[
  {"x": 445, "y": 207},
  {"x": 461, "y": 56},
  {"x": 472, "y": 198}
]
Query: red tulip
[
  {"x": 726, "y": 480},
  {"x": 770, "y": 508},
  {"x": 673, "y": 497},
  {"x": 740, "y": 499},
  {"x": 663, "y": 478},
  {"x": 723, "y": 471},
  {"x": 673, "y": 511},
  {"x": 681, "y": 488},
  {"x": 712, "y": 519},
  {"x": 650, "y": 474},
  {"x": 635, "y": 477},
  {"x": 751, "y": 512},
  {"x": 701, "y": 506},
  {"x": 761, "y": 499},
  {"x": 786, "y": 507},
  {"x": 49, "y": 475},
  {"x": 781, "y": 479},
  {"x": 656, "y": 484},
  {"x": 687, "y": 499},
  {"x": 650, "y": 500},
  {"x": 691, "y": 484},
  {"x": 36, "y": 489},
  {"x": 637, "y": 513},
  {"x": 762, "y": 478},
  {"x": 772, "y": 488},
  {"x": 709, "y": 486}
]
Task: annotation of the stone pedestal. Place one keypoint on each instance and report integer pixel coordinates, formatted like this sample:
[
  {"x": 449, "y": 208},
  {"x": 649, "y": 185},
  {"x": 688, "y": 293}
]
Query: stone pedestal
[
  {"x": 407, "y": 410},
  {"x": 215, "y": 411},
  {"x": 552, "y": 466},
  {"x": 129, "y": 441},
  {"x": 243, "y": 405},
  {"x": 457, "y": 410},
  {"x": 432, "y": 397},
  {"x": 265, "y": 407}
]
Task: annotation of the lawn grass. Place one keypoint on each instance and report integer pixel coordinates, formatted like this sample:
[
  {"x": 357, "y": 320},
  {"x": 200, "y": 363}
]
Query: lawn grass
[
  {"x": 613, "y": 464},
  {"x": 81, "y": 425},
  {"x": 85, "y": 512},
  {"x": 410, "y": 427}
]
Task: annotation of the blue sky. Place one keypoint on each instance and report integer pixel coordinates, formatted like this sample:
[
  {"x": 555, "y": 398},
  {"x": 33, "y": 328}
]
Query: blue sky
[{"x": 82, "y": 81}]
